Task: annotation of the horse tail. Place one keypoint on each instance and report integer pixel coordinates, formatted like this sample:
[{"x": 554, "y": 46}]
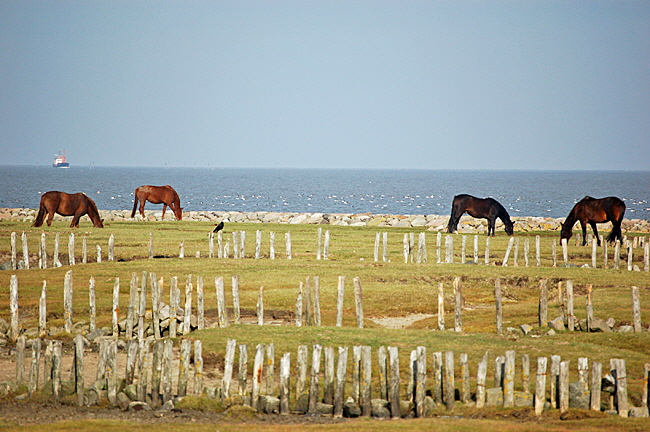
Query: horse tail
[
  {"x": 41, "y": 214},
  {"x": 617, "y": 234},
  {"x": 135, "y": 202}
]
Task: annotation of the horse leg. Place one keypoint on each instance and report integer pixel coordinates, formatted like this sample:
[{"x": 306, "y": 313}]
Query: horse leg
[
  {"x": 75, "y": 220},
  {"x": 142, "y": 202},
  {"x": 50, "y": 216},
  {"x": 491, "y": 223},
  {"x": 595, "y": 229},
  {"x": 583, "y": 224},
  {"x": 164, "y": 208}
]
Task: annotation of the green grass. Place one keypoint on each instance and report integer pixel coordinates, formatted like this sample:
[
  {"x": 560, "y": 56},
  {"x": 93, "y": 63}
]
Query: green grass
[{"x": 390, "y": 289}]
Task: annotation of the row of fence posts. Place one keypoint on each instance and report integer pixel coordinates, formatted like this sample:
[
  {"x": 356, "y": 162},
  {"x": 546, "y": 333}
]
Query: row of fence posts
[
  {"x": 151, "y": 378},
  {"x": 165, "y": 319},
  {"x": 410, "y": 253}
]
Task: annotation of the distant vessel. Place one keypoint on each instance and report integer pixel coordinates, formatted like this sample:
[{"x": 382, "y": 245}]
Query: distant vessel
[{"x": 60, "y": 161}]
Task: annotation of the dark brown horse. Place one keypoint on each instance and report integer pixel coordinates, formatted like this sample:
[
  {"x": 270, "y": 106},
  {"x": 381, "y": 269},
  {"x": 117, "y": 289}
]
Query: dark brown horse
[
  {"x": 486, "y": 208},
  {"x": 165, "y": 195},
  {"x": 592, "y": 211},
  {"x": 66, "y": 204}
]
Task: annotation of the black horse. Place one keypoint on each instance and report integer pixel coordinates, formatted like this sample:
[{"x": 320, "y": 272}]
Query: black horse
[
  {"x": 487, "y": 208},
  {"x": 592, "y": 211}
]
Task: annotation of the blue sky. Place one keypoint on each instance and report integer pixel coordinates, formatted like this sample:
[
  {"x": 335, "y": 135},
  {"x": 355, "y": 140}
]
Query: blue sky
[{"x": 327, "y": 84}]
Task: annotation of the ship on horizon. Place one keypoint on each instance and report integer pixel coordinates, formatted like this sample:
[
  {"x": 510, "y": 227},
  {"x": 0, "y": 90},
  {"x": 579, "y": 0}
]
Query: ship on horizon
[{"x": 60, "y": 160}]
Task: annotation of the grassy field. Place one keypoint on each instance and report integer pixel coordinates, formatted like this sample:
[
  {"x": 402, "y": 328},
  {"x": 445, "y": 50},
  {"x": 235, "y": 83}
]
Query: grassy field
[{"x": 390, "y": 289}]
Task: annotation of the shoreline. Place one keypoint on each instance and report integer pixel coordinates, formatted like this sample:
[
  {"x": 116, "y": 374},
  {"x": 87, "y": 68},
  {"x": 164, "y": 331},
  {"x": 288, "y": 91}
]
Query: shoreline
[{"x": 438, "y": 223}]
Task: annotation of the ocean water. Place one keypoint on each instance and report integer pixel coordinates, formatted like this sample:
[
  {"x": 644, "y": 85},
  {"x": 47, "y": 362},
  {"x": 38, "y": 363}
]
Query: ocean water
[{"x": 522, "y": 193}]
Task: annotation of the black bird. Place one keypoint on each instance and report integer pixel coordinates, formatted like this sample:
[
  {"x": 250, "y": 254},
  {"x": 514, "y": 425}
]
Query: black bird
[{"x": 219, "y": 227}]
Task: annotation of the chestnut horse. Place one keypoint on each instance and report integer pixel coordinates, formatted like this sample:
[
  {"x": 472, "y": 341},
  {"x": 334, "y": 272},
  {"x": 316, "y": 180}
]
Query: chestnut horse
[
  {"x": 66, "y": 204},
  {"x": 165, "y": 195},
  {"x": 486, "y": 208},
  {"x": 592, "y": 211}
]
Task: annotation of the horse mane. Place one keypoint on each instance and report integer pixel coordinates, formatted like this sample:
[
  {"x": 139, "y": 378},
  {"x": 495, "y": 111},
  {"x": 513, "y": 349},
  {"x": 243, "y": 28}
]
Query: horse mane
[{"x": 92, "y": 207}]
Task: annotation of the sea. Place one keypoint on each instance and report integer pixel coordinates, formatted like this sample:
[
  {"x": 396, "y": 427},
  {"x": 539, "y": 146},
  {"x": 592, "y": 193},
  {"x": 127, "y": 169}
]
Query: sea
[{"x": 376, "y": 191}]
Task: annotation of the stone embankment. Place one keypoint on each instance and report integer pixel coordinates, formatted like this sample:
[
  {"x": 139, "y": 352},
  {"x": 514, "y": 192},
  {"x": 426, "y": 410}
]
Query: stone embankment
[{"x": 431, "y": 222}]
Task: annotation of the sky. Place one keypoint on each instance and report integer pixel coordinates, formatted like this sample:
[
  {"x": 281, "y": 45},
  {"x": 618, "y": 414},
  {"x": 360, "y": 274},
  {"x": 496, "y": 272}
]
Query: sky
[{"x": 551, "y": 85}]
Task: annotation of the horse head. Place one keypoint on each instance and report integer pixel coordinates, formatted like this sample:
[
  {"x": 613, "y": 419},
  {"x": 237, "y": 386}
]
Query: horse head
[
  {"x": 99, "y": 223},
  {"x": 567, "y": 230},
  {"x": 178, "y": 213},
  {"x": 509, "y": 225}
]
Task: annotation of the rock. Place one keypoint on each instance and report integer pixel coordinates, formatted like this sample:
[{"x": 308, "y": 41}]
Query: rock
[
  {"x": 551, "y": 332},
  {"x": 268, "y": 404},
  {"x": 557, "y": 324},
  {"x": 638, "y": 412},
  {"x": 611, "y": 322},
  {"x": 429, "y": 405},
  {"x": 526, "y": 328},
  {"x": 7, "y": 388},
  {"x": 351, "y": 409},
  {"x": 302, "y": 404},
  {"x": 523, "y": 399},
  {"x": 123, "y": 401},
  {"x": 212, "y": 392},
  {"x": 494, "y": 397},
  {"x": 321, "y": 408},
  {"x": 139, "y": 406},
  {"x": 379, "y": 408},
  {"x": 625, "y": 329},
  {"x": 406, "y": 408},
  {"x": 91, "y": 397},
  {"x": 599, "y": 325},
  {"x": 166, "y": 407},
  {"x": 579, "y": 395},
  {"x": 131, "y": 391}
]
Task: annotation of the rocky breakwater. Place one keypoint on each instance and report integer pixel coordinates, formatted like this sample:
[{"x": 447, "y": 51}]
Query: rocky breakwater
[{"x": 467, "y": 224}]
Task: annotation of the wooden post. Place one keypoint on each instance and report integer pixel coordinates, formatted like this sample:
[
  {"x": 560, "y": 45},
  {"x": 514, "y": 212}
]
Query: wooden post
[
  {"x": 299, "y": 305},
  {"x": 540, "y": 385},
  {"x": 571, "y": 319},
  {"x": 508, "y": 250},
  {"x": 449, "y": 249},
  {"x": 200, "y": 303},
  {"x": 499, "y": 305},
  {"x": 376, "y": 250},
  {"x": 184, "y": 366},
  {"x": 13, "y": 306},
  {"x": 555, "y": 380},
  {"x": 458, "y": 305},
  {"x": 463, "y": 249},
  {"x": 67, "y": 301},
  {"x": 604, "y": 243},
  {"x": 111, "y": 248},
  {"x": 211, "y": 245},
  {"x": 476, "y": 249},
  {"x": 221, "y": 302},
  {"x": 156, "y": 374},
  {"x": 260, "y": 307},
  {"x": 174, "y": 303},
  {"x": 181, "y": 251},
  {"x": 242, "y": 244},
  {"x": 155, "y": 303},
  {"x": 438, "y": 244},
  {"x": 630, "y": 251},
  {"x": 481, "y": 377},
  {"x": 564, "y": 386},
  {"x": 111, "y": 372},
  {"x": 538, "y": 252},
  {"x": 542, "y": 315},
  {"x": 509, "y": 380},
  {"x": 235, "y": 301},
  {"x": 258, "y": 244},
  {"x": 356, "y": 372},
  {"x": 366, "y": 377},
  {"x": 636, "y": 309},
  {"x": 464, "y": 378},
  {"x": 449, "y": 380},
  {"x": 341, "y": 372},
  {"x": 243, "y": 370},
  {"x": 71, "y": 260},
  {"x": 565, "y": 251},
  {"x": 198, "y": 367},
  {"x": 421, "y": 380},
  {"x": 316, "y": 289},
  {"x": 328, "y": 384},
  {"x": 339, "y": 301},
  {"x": 79, "y": 368},
  {"x": 620, "y": 397},
  {"x": 142, "y": 306},
  {"x": 326, "y": 247},
  {"x": 14, "y": 253},
  {"x": 285, "y": 368},
  {"x": 228, "y": 366},
  {"x": 116, "y": 307},
  {"x": 590, "y": 307},
  {"x": 382, "y": 360},
  {"x": 441, "y": 307},
  {"x": 487, "y": 250},
  {"x": 287, "y": 239},
  {"x": 645, "y": 398},
  {"x": 20, "y": 360},
  {"x": 499, "y": 370},
  {"x": 270, "y": 368},
  {"x": 617, "y": 255},
  {"x": 646, "y": 256},
  {"x": 320, "y": 243},
  {"x": 394, "y": 387},
  {"x": 56, "y": 370},
  {"x": 358, "y": 300},
  {"x": 384, "y": 254},
  {"x": 313, "y": 378},
  {"x": 235, "y": 245},
  {"x": 131, "y": 361},
  {"x": 301, "y": 371},
  {"x": 594, "y": 249},
  {"x": 42, "y": 253},
  {"x": 411, "y": 247},
  {"x": 437, "y": 377},
  {"x": 55, "y": 255},
  {"x": 144, "y": 367},
  {"x": 596, "y": 382},
  {"x": 42, "y": 311},
  {"x": 25, "y": 251},
  {"x": 525, "y": 372},
  {"x": 515, "y": 258},
  {"x": 583, "y": 371},
  {"x": 406, "y": 251},
  {"x": 527, "y": 251},
  {"x": 187, "y": 322},
  {"x": 272, "y": 245},
  {"x": 258, "y": 366},
  {"x": 220, "y": 251},
  {"x": 35, "y": 367},
  {"x": 422, "y": 248}
]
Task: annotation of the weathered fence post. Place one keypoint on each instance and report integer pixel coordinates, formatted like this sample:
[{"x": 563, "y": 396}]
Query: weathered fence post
[
  {"x": 463, "y": 249},
  {"x": 67, "y": 301},
  {"x": 258, "y": 366},
  {"x": 441, "y": 307},
  {"x": 487, "y": 250},
  {"x": 235, "y": 245},
  {"x": 142, "y": 310},
  {"x": 438, "y": 244},
  {"x": 382, "y": 360},
  {"x": 458, "y": 305},
  {"x": 116, "y": 307},
  {"x": 260, "y": 307},
  {"x": 211, "y": 245},
  {"x": 590, "y": 307},
  {"x": 527, "y": 251},
  {"x": 42, "y": 311},
  {"x": 604, "y": 243},
  {"x": 111, "y": 248},
  {"x": 285, "y": 369},
  {"x": 339, "y": 301},
  {"x": 313, "y": 378},
  {"x": 79, "y": 368},
  {"x": 301, "y": 372},
  {"x": 555, "y": 380},
  {"x": 481, "y": 377},
  {"x": 542, "y": 315},
  {"x": 376, "y": 249},
  {"x": 645, "y": 399},
  {"x": 320, "y": 243},
  {"x": 525, "y": 372},
  {"x": 421, "y": 380},
  {"x": 56, "y": 370},
  {"x": 571, "y": 319},
  {"x": 508, "y": 250},
  {"x": 242, "y": 244},
  {"x": 287, "y": 239},
  {"x": 365, "y": 380},
  {"x": 358, "y": 300},
  {"x": 156, "y": 374},
  {"x": 144, "y": 368},
  {"x": 328, "y": 381},
  {"x": 20, "y": 359},
  {"x": 25, "y": 251},
  {"x": 200, "y": 304},
  {"x": 449, "y": 380},
  {"x": 272, "y": 245},
  {"x": 564, "y": 386},
  {"x": 221, "y": 302},
  {"x": 235, "y": 300},
  {"x": 187, "y": 319},
  {"x": 316, "y": 289},
  {"x": 243, "y": 370},
  {"x": 14, "y": 254},
  {"x": 630, "y": 251},
  {"x": 258, "y": 244},
  {"x": 437, "y": 377},
  {"x": 174, "y": 303},
  {"x": 326, "y": 246},
  {"x": 131, "y": 361},
  {"x": 636, "y": 309},
  {"x": 499, "y": 305},
  {"x": 220, "y": 251},
  {"x": 594, "y": 249},
  {"x": 42, "y": 253},
  {"x": 499, "y": 371},
  {"x": 71, "y": 260},
  {"x": 617, "y": 255},
  {"x": 198, "y": 367},
  {"x": 228, "y": 366},
  {"x": 565, "y": 251},
  {"x": 184, "y": 366},
  {"x": 406, "y": 249},
  {"x": 538, "y": 252},
  {"x": 509, "y": 380},
  {"x": 13, "y": 306},
  {"x": 515, "y": 258},
  {"x": 540, "y": 385},
  {"x": 449, "y": 249},
  {"x": 620, "y": 397},
  {"x": 394, "y": 386},
  {"x": 596, "y": 382},
  {"x": 475, "y": 249},
  {"x": 464, "y": 378},
  {"x": 270, "y": 368},
  {"x": 35, "y": 367},
  {"x": 299, "y": 305},
  {"x": 341, "y": 370}
]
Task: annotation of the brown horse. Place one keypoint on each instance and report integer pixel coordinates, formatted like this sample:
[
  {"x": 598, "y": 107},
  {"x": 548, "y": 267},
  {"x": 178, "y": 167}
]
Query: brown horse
[
  {"x": 592, "y": 211},
  {"x": 66, "y": 204},
  {"x": 486, "y": 208},
  {"x": 165, "y": 195}
]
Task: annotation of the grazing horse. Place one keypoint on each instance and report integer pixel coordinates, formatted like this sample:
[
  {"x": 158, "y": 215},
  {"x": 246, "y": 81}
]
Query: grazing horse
[
  {"x": 487, "y": 208},
  {"x": 165, "y": 195},
  {"x": 66, "y": 204},
  {"x": 592, "y": 211}
]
